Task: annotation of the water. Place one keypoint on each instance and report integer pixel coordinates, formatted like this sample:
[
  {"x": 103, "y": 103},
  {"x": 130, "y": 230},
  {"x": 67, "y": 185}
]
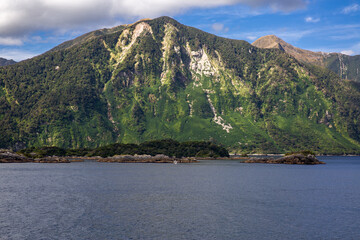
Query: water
[{"x": 207, "y": 200}]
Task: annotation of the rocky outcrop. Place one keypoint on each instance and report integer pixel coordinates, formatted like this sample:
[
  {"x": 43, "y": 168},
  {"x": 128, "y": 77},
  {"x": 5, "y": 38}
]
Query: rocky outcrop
[
  {"x": 7, "y": 156},
  {"x": 160, "y": 158},
  {"x": 291, "y": 159},
  {"x": 53, "y": 159}
]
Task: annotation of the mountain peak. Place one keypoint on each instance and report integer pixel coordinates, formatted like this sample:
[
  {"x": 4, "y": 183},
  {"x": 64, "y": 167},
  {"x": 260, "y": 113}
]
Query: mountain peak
[
  {"x": 88, "y": 36},
  {"x": 270, "y": 41},
  {"x": 269, "y": 38},
  {"x": 6, "y": 62}
]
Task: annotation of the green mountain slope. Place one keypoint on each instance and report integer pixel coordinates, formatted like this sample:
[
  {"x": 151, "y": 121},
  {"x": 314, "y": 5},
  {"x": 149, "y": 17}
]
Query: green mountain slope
[{"x": 159, "y": 79}]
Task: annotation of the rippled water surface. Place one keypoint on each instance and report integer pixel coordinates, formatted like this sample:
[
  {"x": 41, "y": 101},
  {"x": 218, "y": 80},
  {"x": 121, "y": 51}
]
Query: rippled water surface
[{"x": 206, "y": 200}]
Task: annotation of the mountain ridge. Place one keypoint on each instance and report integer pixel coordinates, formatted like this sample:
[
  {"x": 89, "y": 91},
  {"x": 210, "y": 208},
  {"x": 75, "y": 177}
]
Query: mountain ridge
[
  {"x": 6, "y": 62},
  {"x": 160, "y": 79},
  {"x": 347, "y": 67}
]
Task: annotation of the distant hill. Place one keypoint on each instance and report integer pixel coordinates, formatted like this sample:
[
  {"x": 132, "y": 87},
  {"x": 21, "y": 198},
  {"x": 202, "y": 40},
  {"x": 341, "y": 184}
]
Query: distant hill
[
  {"x": 347, "y": 67},
  {"x": 158, "y": 79},
  {"x": 5, "y": 62}
]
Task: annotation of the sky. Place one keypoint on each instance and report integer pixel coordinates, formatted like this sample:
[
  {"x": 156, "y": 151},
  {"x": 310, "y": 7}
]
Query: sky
[{"x": 29, "y": 28}]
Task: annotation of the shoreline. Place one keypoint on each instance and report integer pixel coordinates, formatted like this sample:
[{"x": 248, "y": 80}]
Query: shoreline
[
  {"x": 282, "y": 154},
  {"x": 11, "y": 157},
  {"x": 7, "y": 156}
]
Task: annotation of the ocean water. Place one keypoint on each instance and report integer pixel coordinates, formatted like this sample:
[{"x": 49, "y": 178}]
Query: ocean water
[{"x": 206, "y": 200}]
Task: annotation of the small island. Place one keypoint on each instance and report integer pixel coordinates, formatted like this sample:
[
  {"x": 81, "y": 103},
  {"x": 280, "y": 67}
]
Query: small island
[{"x": 301, "y": 158}]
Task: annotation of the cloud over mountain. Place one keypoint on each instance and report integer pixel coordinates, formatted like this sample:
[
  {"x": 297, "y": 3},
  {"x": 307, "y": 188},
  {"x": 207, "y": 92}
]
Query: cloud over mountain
[{"x": 22, "y": 17}]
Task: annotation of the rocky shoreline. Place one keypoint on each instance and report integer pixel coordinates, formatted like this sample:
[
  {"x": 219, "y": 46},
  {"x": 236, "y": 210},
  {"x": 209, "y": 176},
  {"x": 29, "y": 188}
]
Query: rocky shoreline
[
  {"x": 290, "y": 159},
  {"x": 7, "y": 156}
]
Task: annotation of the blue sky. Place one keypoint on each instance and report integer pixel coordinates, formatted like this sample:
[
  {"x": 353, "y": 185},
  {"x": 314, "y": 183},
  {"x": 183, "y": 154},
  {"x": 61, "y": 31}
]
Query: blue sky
[{"x": 29, "y": 28}]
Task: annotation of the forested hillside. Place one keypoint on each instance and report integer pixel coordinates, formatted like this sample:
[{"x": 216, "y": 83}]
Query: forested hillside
[{"x": 159, "y": 79}]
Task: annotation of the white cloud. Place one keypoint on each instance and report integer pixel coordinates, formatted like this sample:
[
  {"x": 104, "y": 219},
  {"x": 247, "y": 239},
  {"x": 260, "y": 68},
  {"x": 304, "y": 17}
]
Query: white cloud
[
  {"x": 351, "y": 9},
  {"x": 10, "y": 41},
  {"x": 352, "y": 50},
  {"x": 23, "y": 17},
  {"x": 312, "y": 20},
  {"x": 219, "y": 27},
  {"x": 251, "y": 38},
  {"x": 287, "y": 35},
  {"x": 348, "y": 52},
  {"x": 355, "y": 49},
  {"x": 16, "y": 54}
]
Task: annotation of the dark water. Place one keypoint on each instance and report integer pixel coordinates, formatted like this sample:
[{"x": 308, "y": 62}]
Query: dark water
[{"x": 207, "y": 200}]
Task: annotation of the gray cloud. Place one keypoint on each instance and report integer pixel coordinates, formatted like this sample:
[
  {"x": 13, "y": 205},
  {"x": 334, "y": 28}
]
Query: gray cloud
[
  {"x": 10, "y": 41},
  {"x": 22, "y": 17}
]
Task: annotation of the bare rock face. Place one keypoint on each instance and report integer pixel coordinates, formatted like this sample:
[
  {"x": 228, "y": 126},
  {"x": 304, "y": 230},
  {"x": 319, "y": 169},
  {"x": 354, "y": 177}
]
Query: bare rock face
[{"x": 291, "y": 159}]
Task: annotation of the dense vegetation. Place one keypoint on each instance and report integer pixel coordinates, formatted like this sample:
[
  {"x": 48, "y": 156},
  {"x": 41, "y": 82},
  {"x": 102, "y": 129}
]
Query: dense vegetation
[
  {"x": 167, "y": 147},
  {"x": 303, "y": 152},
  {"x": 168, "y": 80}
]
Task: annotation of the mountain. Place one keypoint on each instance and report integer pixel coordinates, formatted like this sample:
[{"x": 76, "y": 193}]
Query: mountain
[
  {"x": 157, "y": 79},
  {"x": 347, "y": 67},
  {"x": 5, "y": 62}
]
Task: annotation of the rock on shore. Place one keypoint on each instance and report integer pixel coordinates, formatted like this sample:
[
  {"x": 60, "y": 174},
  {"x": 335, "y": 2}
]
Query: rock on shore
[
  {"x": 291, "y": 159},
  {"x": 7, "y": 156},
  {"x": 53, "y": 159}
]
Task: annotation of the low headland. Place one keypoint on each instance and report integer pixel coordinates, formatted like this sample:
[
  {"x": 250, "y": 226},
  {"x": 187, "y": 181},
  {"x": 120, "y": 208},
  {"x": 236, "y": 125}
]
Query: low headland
[{"x": 158, "y": 151}]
